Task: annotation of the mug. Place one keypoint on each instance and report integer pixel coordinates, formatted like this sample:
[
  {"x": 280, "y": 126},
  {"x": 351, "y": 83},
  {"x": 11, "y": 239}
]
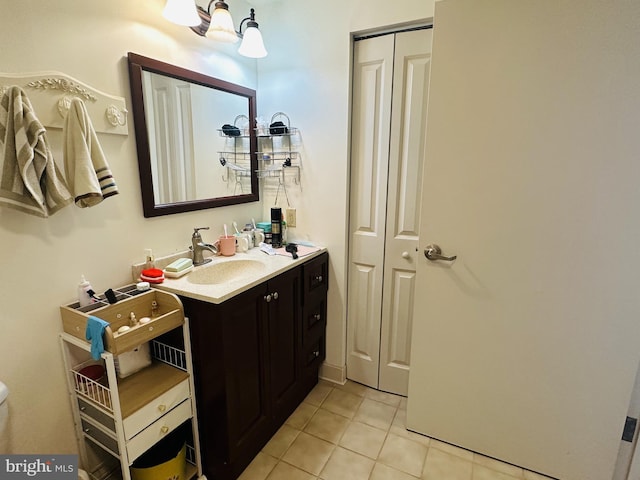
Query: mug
[
  {"x": 242, "y": 243},
  {"x": 226, "y": 245},
  {"x": 258, "y": 236},
  {"x": 249, "y": 234}
]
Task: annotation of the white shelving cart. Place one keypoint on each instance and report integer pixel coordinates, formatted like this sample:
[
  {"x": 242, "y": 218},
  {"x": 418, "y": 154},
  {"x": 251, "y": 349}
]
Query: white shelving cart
[{"x": 118, "y": 419}]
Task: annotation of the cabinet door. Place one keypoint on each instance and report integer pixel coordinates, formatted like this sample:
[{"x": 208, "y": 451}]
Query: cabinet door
[
  {"x": 284, "y": 343},
  {"x": 231, "y": 389},
  {"x": 245, "y": 333}
]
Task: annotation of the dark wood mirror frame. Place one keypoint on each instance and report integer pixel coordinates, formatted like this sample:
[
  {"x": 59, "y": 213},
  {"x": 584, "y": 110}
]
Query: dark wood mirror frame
[{"x": 137, "y": 64}]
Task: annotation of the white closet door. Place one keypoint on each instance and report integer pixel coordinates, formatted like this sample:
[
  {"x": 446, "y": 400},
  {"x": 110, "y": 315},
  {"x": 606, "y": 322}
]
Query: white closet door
[
  {"x": 406, "y": 159},
  {"x": 391, "y": 84},
  {"x": 371, "y": 113}
]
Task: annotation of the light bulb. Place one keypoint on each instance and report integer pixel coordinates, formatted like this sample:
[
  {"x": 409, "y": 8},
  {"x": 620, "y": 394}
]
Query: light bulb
[
  {"x": 221, "y": 26},
  {"x": 182, "y": 12},
  {"x": 252, "y": 45}
]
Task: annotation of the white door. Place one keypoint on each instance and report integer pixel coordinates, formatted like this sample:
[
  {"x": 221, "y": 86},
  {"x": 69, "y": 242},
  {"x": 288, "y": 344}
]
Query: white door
[
  {"x": 391, "y": 84},
  {"x": 171, "y": 139},
  {"x": 371, "y": 117},
  {"x": 526, "y": 347},
  {"x": 406, "y": 159}
]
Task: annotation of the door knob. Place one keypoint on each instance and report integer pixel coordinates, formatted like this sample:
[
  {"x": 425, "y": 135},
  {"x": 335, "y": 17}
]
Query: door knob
[
  {"x": 433, "y": 252},
  {"x": 406, "y": 255}
]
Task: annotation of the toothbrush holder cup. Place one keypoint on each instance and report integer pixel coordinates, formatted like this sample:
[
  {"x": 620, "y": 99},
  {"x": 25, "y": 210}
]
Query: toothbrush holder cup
[{"x": 226, "y": 245}]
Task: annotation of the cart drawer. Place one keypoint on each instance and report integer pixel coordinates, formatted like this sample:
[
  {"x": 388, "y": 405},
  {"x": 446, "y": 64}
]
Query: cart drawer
[
  {"x": 155, "y": 409},
  {"x": 86, "y": 408},
  {"x": 158, "y": 430},
  {"x": 100, "y": 437}
]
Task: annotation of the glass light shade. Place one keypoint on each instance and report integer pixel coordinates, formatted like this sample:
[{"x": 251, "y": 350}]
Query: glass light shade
[
  {"x": 182, "y": 12},
  {"x": 221, "y": 27},
  {"x": 252, "y": 44}
]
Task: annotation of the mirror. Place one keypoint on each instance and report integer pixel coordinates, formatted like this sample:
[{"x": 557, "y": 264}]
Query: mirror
[{"x": 187, "y": 160}]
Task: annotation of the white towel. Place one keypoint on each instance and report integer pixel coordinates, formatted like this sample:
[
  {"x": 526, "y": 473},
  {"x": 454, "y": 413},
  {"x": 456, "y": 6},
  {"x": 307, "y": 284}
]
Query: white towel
[
  {"x": 30, "y": 180},
  {"x": 85, "y": 165}
]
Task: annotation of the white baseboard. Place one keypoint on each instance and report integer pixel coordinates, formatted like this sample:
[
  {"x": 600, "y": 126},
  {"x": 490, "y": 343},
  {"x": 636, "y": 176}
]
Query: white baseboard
[{"x": 333, "y": 373}]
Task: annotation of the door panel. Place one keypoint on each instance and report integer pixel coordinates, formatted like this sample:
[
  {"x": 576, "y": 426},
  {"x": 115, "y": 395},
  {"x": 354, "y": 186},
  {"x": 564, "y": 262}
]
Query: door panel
[
  {"x": 406, "y": 158},
  {"x": 526, "y": 347},
  {"x": 284, "y": 332},
  {"x": 171, "y": 144},
  {"x": 372, "y": 71},
  {"x": 244, "y": 324}
]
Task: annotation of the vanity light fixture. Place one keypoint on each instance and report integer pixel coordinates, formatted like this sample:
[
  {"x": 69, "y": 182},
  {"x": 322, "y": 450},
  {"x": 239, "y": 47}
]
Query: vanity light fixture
[{"x": 218, "y": 25}]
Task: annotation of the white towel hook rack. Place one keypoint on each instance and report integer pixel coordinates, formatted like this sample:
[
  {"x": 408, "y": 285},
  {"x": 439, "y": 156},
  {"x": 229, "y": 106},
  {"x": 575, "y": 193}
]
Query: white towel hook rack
[{"x": 51, "y": 93}]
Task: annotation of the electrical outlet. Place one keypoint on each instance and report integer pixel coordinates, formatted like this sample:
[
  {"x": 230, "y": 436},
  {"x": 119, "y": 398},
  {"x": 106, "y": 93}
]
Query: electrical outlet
[{"x": 290, "y": 217}]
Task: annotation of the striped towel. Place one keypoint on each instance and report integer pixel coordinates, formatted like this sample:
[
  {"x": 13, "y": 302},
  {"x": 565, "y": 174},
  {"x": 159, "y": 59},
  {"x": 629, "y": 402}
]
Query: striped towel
[
  {"x": 30, "y": 180},
  {"x": 85, "y": 165}
]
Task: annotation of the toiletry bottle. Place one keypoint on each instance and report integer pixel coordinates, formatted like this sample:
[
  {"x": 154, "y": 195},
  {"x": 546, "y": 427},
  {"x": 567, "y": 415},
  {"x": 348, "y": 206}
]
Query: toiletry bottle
[
  {"x": 84, "y": 298},
  {"x": 276, "y": 227}
]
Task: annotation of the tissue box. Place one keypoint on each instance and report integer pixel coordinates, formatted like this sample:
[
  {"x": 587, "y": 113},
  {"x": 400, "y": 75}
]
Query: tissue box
[{"x": 131, "y": 362}]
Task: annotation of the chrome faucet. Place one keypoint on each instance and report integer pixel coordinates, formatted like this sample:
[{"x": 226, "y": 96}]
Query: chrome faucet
[{"x": 198, "y": 246}]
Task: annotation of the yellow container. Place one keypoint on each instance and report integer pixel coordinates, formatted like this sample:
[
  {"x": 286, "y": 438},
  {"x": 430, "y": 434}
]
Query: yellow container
[{"x": 174, "y": 469}]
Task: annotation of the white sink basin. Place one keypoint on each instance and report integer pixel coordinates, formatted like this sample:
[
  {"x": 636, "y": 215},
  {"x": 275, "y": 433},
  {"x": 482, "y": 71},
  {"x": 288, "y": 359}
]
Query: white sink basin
[{"x": 225, "y": 271}]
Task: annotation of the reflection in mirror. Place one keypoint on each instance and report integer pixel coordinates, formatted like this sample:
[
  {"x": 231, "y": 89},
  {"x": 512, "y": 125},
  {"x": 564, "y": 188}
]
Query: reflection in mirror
[{"x": 187, "y": 161}]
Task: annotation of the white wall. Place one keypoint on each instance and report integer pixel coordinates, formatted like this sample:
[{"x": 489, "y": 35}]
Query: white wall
[
  {"x": 306, "y": 75},
  {"x": 42, "y": 259}
]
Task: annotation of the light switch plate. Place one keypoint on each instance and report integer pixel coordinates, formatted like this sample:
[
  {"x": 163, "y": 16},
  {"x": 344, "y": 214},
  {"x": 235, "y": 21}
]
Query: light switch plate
[{"x": 290, "y": 217}]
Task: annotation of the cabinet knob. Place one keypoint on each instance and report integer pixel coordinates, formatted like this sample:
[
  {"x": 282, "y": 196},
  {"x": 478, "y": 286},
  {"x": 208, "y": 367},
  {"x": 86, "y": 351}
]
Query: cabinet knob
[
  {"x": 318, "y": 278},
  {"x": 275, "y": 295},
  {"x": 317, "y": 316},
  {"x": 162, "y": 408},
  {"x": 267, "y": 298},
  {"x": 164, "y": 429},
  {"x": 87, "y": 430},
  {"x": 316, "y": 353}
]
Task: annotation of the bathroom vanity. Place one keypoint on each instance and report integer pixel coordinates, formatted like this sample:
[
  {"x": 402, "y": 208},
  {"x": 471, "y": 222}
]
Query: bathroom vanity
[{"x": 257, "y": 344}]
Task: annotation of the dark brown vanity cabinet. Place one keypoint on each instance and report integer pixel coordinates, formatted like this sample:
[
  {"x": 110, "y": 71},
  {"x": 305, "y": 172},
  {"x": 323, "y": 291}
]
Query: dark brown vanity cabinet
[{"x": 256, "y": 357}]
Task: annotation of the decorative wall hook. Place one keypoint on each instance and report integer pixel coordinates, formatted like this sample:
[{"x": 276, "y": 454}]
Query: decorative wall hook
[{"x": 51, "y": 93}]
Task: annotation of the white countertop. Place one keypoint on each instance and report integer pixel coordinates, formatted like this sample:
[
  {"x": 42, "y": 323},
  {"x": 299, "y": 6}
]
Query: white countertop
[{"x": 218, "y": 293}]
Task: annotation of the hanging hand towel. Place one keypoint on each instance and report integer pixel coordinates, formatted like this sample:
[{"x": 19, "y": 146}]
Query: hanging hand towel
[
  {"x": 85, "y": 165},
  {"x": 30, "y": 180},
  {"x": 95, "y": 330}
]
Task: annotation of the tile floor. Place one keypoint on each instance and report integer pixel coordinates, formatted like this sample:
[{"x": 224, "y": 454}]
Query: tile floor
[{"x": 352, "y": 432}]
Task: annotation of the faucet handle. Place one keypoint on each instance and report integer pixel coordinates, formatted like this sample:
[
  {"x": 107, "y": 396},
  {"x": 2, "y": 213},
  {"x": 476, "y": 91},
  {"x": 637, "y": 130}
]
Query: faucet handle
[{"x": 196, "y": 231}]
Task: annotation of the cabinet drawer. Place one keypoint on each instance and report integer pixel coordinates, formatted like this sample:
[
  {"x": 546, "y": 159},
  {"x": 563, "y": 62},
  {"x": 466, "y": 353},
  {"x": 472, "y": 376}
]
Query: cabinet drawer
[
  {"x": 155, "y": 409},
  {"x": 314, "y": 354},
  {"x": 316, "y": 276},
  {"x": 95, "y": 413},
  {"x": 158, "y": 430},
  {"x": 99, "y": 436},
  {"x": 314, "y": 321}
]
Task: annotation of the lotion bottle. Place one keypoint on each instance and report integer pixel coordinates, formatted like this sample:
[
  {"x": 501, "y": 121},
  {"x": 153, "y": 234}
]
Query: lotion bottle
[{"x": 83, "y": 292}]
